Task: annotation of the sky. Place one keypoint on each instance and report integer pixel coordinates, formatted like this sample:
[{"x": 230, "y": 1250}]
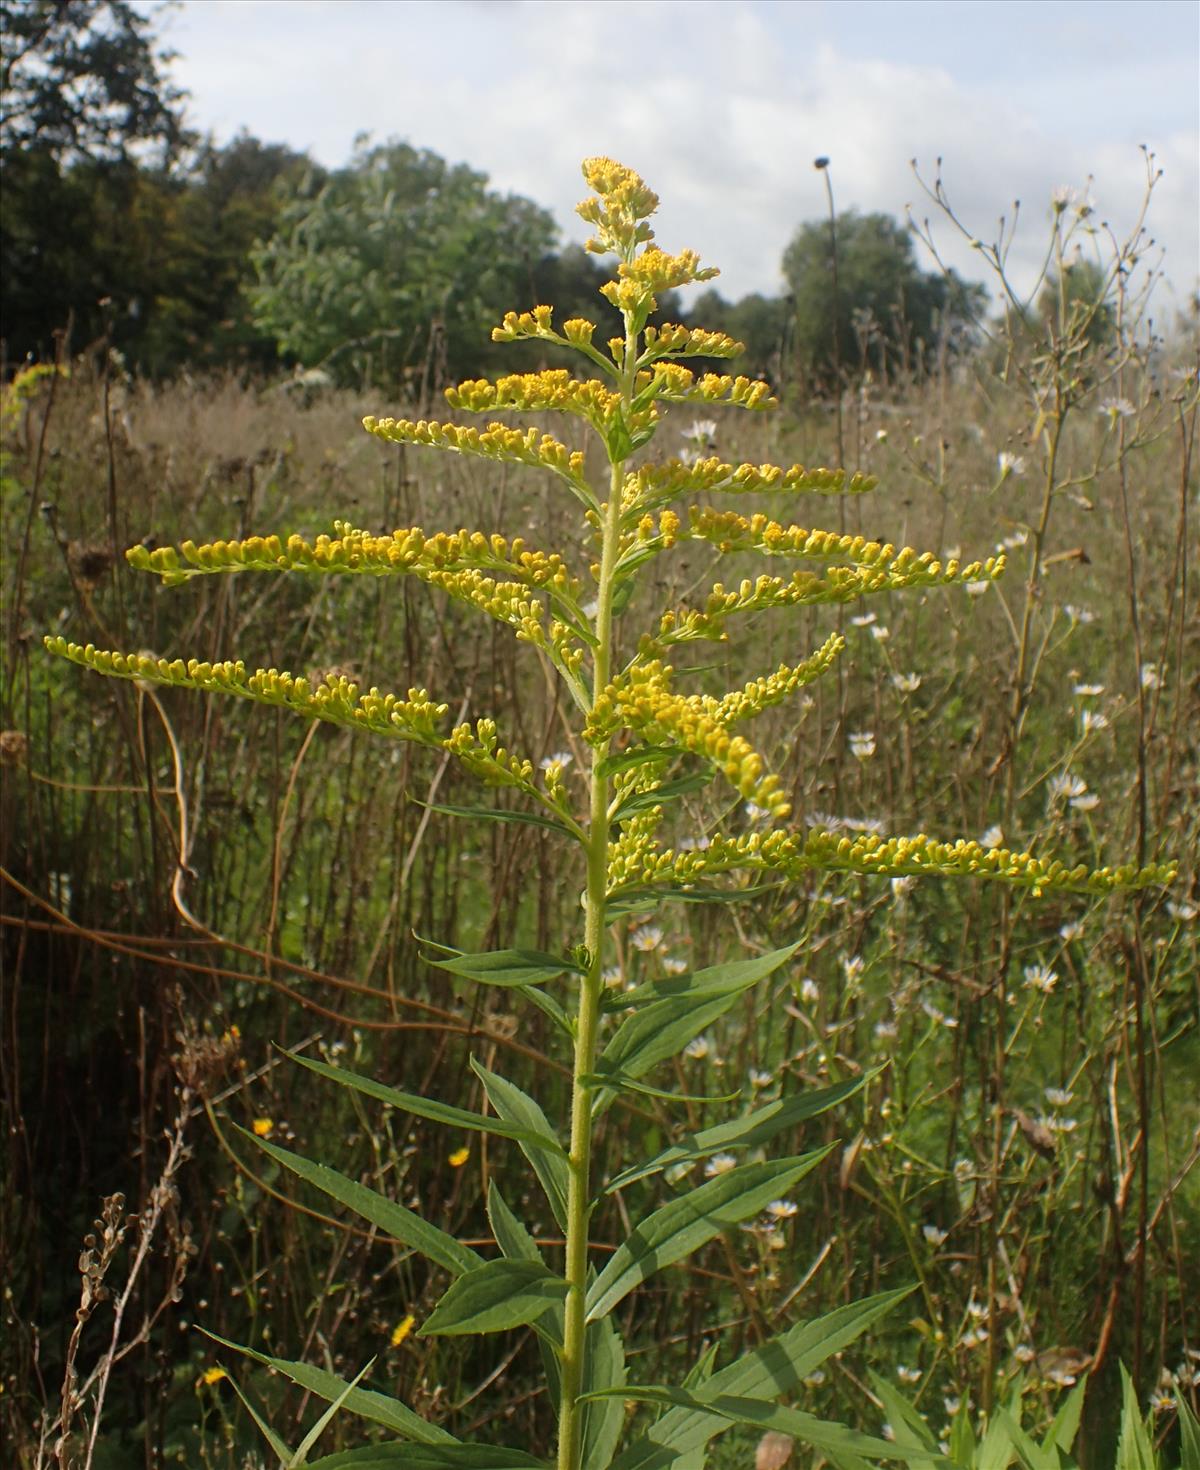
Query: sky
[{"x": 722, "y": 106}]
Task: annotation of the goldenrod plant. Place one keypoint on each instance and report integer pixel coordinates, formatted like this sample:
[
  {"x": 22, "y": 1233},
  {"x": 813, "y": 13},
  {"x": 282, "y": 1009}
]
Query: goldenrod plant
[{"x": 651, "y": 744}]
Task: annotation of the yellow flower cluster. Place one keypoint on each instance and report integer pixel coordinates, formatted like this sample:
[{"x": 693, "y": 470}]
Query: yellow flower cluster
[
  {"x": 670, "y": 340},
  {"x": 729, "y": 531},
  {"x": 507, "y": 602},
  {"x": 655, "y": 484},
  {"x": 653, "y": 270},
  {"x": 791, "y": 855},
  {"x": 497, "y": 442},
  {"x": 640, "y": 699},
  {"x": 478, "y": 748},
  {"x": 772, "y": 689},
  {"x": 802, "y": 589},
  {"x": 553, "y": 390},
  {"x": 618, "y": 214},
  {"x": 353, "y": 551},
  {"x": 674, "y": 384},
  {"x": 334, "y": 698},
  {"x": 538, "y": 324}
]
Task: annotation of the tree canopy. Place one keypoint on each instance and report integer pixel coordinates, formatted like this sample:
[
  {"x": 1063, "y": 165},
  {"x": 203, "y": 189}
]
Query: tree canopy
[{"x": 886, "y": 314}]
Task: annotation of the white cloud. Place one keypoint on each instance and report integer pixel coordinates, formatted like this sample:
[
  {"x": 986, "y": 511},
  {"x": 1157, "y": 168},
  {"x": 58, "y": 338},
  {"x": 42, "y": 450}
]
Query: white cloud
[{"x": 722, "y": 107}]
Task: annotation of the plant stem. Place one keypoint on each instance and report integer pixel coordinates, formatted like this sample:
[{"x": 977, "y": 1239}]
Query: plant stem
[{"x": 587, "y": 1020}]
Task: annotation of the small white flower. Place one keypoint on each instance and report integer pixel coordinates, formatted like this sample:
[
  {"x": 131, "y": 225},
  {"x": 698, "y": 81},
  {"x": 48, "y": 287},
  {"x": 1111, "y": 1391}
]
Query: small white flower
[
  {"x": 862, "y": 620},
  {"x": 1161, "y": 1402},
  {"x": 814, "y": 1379},
  {"x": 862, "y": 744},
  {"x": 902, "y": 886},
  {"x": 825, "y": 820},
  {"x": 881, "y": 633},
  {"x": 1117, "y": 408},
  {"x": 1010, "y": 464},
  {"x": 1070, "y": 931},
  {"x": 1064, "y": 787},
  {"x": 963, "y": 1170},
  {"x": 1078, "y": 614},
  {"x": 647, "y": 939},
  {"x": 689, "y": 456},
  {"x": 612, "y": 977},
  {"x": 1092, "y": 720},
  {"x": 755, "y": 813},
  {"x": 672, "y": 965},
  {"x": 977, "y": 589},
  {"x": 719, "y": 1164},
  {"x": 951, "y": 1405},
  {"x": 952, "y": 553},
  {"x": 992, "y": 838},
  {"x": 1011, "y": 543},
  {"x": 1058, "y": 1097},
  {"x": 887, "y": 1431},
  {"x": 782, "y": 1209},
  {"x": 975, "y": 1338},
  {"x": 939, "y": 1017},
  {"x": 886, "y": 1030},
  {"x": 906, "y": 683},
  {"x": 1151, "y": 676},
  {"x": 559, "y": 761},
  {"x": 590, "y": 609},
  {"x": 852, "y": 967},
  {"x": 698, "y": 1048},
  {"x": 1056, "y": 1124},
  {"x": 809, "y": 991},
  {"x": 759, "y": 1080},
  {"x": 701, "y": 431},
  {"x": 1086, "y": 803},
  {"x": 1061, "y": 1378},
  {"x": 1184, "y": 913},
  {"x": 1088, "y": 691},
  {"x": 908, "y": 1375},
  {"x": 692, "y": 844},
  {"x": 881, "y": 436},
  {"x": 933, "y": 1235},
  {"x": 1040, "y": 977},
  {"x": 1024, "y": 1353},
  {"x": 976, "y": 1310}
]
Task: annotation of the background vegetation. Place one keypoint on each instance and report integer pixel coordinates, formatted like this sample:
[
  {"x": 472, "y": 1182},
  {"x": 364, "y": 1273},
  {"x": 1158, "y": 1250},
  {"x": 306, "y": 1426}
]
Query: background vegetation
[{"x": 187, "y": 883}]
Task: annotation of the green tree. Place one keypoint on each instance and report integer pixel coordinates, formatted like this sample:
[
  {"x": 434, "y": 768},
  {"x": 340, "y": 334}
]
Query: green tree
[
  {"x": 760, "y": 322},
  {"x": 396, "y": 265},
  {"x": 888, "y": 315},
  {"x": 81, "y": 79}
]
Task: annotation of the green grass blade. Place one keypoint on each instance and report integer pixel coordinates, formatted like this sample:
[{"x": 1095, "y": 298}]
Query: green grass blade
[
  {"x": 1189, "y": 1435},
  {"x": 495, "y": 1296},
  {"x": 404, "y": 1456},
  {"x": 310, "y": 1439},
  {"x": 681, "y": 1227},
  {"x": 1135, "y": 1449},
  {"x": 910, "y": 1430},
  {"x": 403, "y": 1224},
  {"x": 279, "y": 1447}
]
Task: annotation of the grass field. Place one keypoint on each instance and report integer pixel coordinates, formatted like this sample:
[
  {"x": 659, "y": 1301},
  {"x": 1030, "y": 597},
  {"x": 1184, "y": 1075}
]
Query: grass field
[{"x": 189, "y": 883}]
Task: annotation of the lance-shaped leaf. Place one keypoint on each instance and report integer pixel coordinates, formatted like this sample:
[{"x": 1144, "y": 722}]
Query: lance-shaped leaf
[
  {"x": 425, "y": 1107},
  {"x": 681, "y": 1227},
  {"x": 495, "y": 1296},
  {"x": 825, "y": 1435},
  {"x": 402, "y": 1224},
  {"x": 752, "y": 1130},
  {"x": 517, "y": 1244},
  {"x": 536, "y": 1137},
  {"x": 909, "y": 1430},
  {"x": 379, "y": 1408},
  {"x": 500, "y": 814},
  {"x": 507, "y": 966},
  {"x": 775, "y": 1368},
  {"x": 641, "y": 801},
  {"x": 429, "y": 1457},
  {"x": 1135, "y": 1448},
  {"x": 603, "y": 1417},
  {"x": 671, "y": 1012}
]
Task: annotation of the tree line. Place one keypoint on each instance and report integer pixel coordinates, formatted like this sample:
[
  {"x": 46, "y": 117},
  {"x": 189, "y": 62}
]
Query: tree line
[{"x": 121, "y": 227}]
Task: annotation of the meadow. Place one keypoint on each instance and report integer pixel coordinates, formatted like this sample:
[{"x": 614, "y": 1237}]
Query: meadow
[{"x": 189, "y": 884}]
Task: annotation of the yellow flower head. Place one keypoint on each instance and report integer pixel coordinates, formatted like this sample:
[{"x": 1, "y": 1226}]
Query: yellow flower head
[
  {"x": 402, "y": 1329},
  {"x": 459, "y": 1157},
  {"x": 624, "y": 203},
  {"x": 263, "y": 1127},
  {"x": 210, "y": 1376}
]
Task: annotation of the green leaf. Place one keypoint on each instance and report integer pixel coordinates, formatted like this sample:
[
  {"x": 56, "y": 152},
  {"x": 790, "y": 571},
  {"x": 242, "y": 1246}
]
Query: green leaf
[
  {"x": 499, "y": 814},
  {"x": 421, "y": 1107},
  {"x": 997, "y": 1450},
  {"x": 641, "y": 801},
  {"x": 636, "y": 900},
  {"x": 277, "y": 1445},
  {"x": 377, "y": 1407},
  {"x": 537, "y": 1140},
  {"x": 702, "y": 1369},
  {"x": 603, "y": 1419},
  {"x": 910, "y": 1430},
  {"x": 672, "y": 1012},
  {"x": 401, "y": 1223},
  {"x": 310, "y": 1439},
  {"x": 1189, "y": 1435},
  {"x": 773, "y": 1368},
  {"x": 493, "y": 1297},
  {"x": 619, "y": 1082},
  {"x": 640, "y": 755},
  {"x": 681, "y": 1227},
  {"x": 405, "y": 1456},
  {"x": 507, "y": 966},
  {"x": 549, "y": 1007},
  {"x": 825, "y": 1435},
  {"x": 1065, "y": 1425},
  {"x": 750, "y": 1131},
  {"x": 517, "y": 1244},
  {"x": 1135, "y": 1449}
]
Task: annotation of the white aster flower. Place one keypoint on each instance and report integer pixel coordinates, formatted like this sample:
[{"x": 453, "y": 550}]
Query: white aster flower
[
  {"x": 672, "y": 965},
  {"x": 977, "y": 589},
  {"x": 698, "y": 1048},
  {"x": 1092, "y": 720},
  {"x": 1064, "y": 787},
  {"x": 755, "y": 813},
  {"x": 933, "y": 1235},
  {"x": 612, "y": 977},
  {"x": 907, "y": 683},
  {"x": 1070, "y": 931},
  {"x": 647, "y": 939},
  {"x": 1058, "y": 1097},
  {"x": 1078, "y": 614},
  {"x": 862, "y": 620},
  {"x": 1086, "y": 803},
  {"x": 903, "y": 886},
  {"x": 782, "y": 1209},
  {"x": 719, "y": 1164},
  {"x": 992, "y": 838},
  {"x": 1151, "y": 676},
  {"x": 759, "y": 1080},
  {"x": 1040, "y": 977},
  {"x": 862, "y": 744},
  {"x": 881, "y": 633},
  {"x": 814, "y": 1379},
  {"x": 809, "y": 991},
  {"x": 1024, "y": 1353},
  {"x": 1088, "y": 691},
  {"x": 559, "y": 761},
  {"x": 700, "y": 431},
  {"x": 1184, "y": 913},
  {"x": 1010, "y": 464},
  {"x": 908, "y": 1375}
]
